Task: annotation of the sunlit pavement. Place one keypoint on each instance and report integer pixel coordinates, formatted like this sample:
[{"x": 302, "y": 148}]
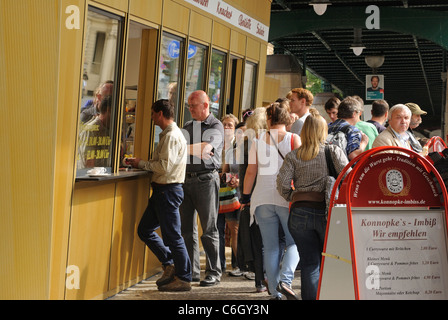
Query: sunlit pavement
[{"x": 230, "y": 288}]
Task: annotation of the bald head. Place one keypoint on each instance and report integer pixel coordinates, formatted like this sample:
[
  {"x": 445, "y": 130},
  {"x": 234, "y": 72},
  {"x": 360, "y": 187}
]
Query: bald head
[{"x": 198, "y": 104}]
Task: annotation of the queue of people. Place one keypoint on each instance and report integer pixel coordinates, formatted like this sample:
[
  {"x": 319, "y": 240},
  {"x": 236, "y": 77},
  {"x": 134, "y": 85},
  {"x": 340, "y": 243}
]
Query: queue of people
[{"x": 263, "y": 180}]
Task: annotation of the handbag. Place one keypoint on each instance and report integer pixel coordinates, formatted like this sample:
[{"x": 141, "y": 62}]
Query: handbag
[
  {"x": 331, "y": 178},
  {"x": 228, "y": 200}
]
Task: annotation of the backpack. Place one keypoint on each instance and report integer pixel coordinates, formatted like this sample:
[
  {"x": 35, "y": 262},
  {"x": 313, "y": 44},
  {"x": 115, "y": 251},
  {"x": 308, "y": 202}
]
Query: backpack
[{"x": 339, "y": 138}]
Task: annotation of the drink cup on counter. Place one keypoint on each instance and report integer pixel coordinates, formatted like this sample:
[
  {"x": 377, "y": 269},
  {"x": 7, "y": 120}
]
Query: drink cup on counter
[{"x": 97, "y": 171}]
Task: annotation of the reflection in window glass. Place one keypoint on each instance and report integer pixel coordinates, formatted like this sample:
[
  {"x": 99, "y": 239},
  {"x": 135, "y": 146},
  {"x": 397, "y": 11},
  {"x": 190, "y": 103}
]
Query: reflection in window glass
[
  {"x": 130, "y": 93},
  {"x": 249, "y": 86},
  {"x": 197, "y": 55},
  {"x": 98, "y": 104},
  {"x": 216, "y": 81},
  {"x": 171, "y": 54},
  {"x": 169, "y": 70}
]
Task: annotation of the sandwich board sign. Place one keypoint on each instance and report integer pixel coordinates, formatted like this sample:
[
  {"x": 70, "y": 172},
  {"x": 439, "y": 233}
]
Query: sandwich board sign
[{"x": 387, "y": 231}]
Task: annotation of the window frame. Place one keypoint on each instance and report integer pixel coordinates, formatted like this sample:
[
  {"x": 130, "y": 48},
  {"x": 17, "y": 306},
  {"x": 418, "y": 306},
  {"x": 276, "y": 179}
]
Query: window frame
[
  {"x": 116, "y": 93},
  {"x": 223, "y": 79},
  {"x": 253, "y": 87},
  {"x": 181, "y": 75},
  {"x": 203, "y": 83}
]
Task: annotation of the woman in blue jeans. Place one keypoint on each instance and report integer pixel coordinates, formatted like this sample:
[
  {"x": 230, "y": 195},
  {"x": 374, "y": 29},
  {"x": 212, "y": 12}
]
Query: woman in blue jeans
[
  {"x": 307, "y": 220},
  {"x": 271, "y": 211}
]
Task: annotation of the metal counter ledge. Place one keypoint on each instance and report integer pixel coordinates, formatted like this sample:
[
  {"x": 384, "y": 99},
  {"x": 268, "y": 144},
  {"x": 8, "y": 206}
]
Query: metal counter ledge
[{"x": 133, "y": 173}]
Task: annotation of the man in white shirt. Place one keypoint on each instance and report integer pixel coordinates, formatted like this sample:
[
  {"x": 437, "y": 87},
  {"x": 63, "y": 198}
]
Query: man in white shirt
[
  {"x": 300, "y": 101},
  {"x": 168, "y": 167}
]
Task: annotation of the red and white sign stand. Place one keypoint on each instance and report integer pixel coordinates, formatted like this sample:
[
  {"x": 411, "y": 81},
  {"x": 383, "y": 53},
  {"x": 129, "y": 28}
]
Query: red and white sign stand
[
  {"x": 387, "y": 230},
  {"x": 435, "y": 144}
]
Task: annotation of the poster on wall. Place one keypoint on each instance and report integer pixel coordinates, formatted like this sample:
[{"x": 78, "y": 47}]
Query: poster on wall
[{"x": 374, "y": 87}]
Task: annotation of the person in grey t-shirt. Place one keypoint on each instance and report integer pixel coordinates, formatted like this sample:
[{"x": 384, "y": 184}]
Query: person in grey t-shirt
[{"x": 205, "y": 140}]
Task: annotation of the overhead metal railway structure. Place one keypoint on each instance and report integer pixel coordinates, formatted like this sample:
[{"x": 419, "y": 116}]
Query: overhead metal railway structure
[{"x": 411, "y": 35}]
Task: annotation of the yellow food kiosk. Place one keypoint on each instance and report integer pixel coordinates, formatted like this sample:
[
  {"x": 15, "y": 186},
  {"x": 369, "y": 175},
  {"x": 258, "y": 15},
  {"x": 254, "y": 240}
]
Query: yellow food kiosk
[{"x": 67, "y": 233}]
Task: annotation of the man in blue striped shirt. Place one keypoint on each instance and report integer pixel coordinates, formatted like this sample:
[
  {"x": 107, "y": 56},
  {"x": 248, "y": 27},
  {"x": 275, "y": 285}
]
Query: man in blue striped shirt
[{"x": 356, "y": 140}]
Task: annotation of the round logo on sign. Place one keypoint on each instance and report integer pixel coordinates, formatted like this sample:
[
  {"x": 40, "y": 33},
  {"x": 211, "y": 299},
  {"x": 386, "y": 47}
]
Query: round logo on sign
[{"x": 394, "y": 181}]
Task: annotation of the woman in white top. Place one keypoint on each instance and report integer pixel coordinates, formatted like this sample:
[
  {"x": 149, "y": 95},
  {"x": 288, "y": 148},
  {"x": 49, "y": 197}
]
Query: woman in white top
[{"x": 270, "y": 209}]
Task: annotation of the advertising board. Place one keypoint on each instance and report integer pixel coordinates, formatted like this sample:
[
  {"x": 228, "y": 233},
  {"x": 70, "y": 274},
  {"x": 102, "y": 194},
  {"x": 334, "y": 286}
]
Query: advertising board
[{"x": 387, "y": 230}]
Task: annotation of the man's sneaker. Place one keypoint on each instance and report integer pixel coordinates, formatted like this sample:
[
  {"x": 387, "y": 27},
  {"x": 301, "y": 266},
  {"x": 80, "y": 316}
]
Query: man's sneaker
[
  {"x": 236, "y": 272},
  {"x": 167, "y": 276},
  {"x": 176, "y": 285},
  {"x": 209, "y": 281},
  {"x": 249, "y": 275}
]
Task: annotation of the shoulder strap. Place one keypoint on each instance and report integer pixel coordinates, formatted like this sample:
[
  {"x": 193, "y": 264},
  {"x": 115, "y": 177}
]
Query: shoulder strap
[
  {"x": 346, "y": 129},
  {"x": 275, "y": 144},
  {"x": 330, "y": 164},
  {"x": 292, "y": 141}
]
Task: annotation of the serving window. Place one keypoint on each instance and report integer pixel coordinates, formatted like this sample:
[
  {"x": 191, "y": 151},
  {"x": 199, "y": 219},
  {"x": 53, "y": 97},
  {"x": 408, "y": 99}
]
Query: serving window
[
  {"x": 216, "y": 81},
  {"x": 114, "y": 118},
  {"x": 250, "y": 74},
  {"x": 195, "y": 76},
  {"x": 134, "y": 102},
  {"x": 99, "y": 103},
  {"x": 170, "y": 69}
]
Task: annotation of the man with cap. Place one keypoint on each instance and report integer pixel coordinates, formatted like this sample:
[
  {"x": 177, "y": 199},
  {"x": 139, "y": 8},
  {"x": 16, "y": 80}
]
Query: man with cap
[{"x": 416, "y": 120}]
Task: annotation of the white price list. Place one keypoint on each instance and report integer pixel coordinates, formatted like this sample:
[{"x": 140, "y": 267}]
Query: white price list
[{"x": 401, "y": 254}]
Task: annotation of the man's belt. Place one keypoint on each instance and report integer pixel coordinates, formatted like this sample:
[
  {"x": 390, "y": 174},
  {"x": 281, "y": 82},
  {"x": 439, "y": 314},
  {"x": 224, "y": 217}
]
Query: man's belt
[
  {"x": 162, "y": 185},
  {"x": 198, "y": 173}
]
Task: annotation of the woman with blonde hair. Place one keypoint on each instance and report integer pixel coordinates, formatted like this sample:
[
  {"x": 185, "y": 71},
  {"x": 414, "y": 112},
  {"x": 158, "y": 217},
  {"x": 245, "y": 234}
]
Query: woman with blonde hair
[
  {"x": 269, "y": 208},
  {"x": 250, "y": 246},
  {"x": 307, "y": 221}
]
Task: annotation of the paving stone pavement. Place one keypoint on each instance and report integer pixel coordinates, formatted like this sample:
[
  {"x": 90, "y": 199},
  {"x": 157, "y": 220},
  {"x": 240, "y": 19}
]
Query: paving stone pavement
[{"x": 230, "y": 288}]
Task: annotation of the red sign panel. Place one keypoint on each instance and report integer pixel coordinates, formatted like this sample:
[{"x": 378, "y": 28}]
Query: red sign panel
[{"x": 388, "y": 180}]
